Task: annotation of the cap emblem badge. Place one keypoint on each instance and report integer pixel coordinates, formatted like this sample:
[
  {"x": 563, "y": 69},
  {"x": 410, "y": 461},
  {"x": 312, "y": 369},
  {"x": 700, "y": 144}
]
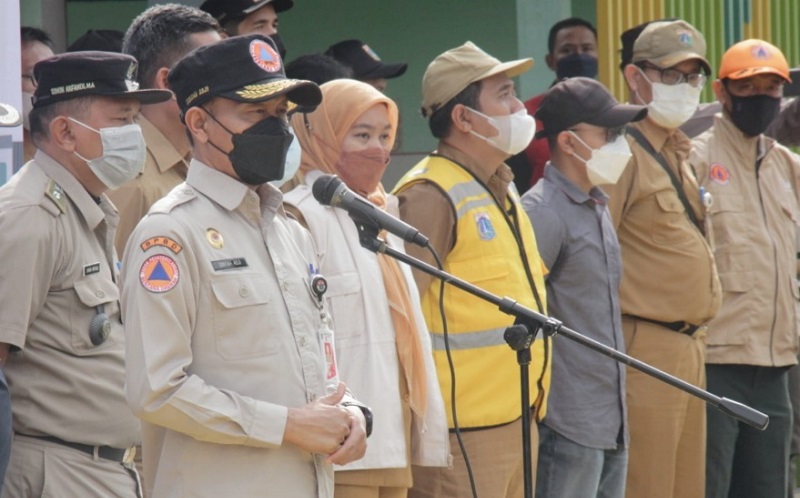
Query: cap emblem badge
[
  {"x": 265, "y": 56},
  {"x": 370, "y": 52},
  {"x": 760, "y": 52}
]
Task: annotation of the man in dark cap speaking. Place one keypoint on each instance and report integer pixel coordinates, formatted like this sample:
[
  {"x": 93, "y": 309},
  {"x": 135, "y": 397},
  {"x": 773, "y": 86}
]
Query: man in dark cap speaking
[
  {"x": 226, "y": 335},
  {"x": 61, "y": 338}
]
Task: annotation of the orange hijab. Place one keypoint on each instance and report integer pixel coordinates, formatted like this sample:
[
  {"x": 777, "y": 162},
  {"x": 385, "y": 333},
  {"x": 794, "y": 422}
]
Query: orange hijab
[{"x": 321, "y": 134}]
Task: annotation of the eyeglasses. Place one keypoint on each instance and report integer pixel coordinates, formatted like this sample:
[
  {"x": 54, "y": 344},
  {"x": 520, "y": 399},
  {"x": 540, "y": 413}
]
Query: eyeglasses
[
  {"x": 611, "y": 134},
  {"x": 672, "y": 76}
]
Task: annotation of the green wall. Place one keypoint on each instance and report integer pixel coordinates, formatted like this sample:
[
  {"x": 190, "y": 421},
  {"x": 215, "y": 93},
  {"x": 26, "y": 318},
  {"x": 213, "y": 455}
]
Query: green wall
[
  {"x": 412, "y": 31},
  {"x": 115, "y": 14}
]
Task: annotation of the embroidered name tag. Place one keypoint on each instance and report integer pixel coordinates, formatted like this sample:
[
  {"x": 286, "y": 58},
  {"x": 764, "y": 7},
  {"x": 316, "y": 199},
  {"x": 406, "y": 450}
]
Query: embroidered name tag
[
  {"x": 91, "y": 269},
  {"x": 229, "y": 264}
]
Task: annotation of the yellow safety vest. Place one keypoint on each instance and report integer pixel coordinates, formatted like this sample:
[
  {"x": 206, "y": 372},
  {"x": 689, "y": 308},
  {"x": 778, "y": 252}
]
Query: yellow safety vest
[{"x": 486, "y": 254}]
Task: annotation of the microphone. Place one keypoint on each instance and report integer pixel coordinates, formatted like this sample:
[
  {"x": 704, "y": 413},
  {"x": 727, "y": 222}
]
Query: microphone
[{"x": 329, "y": 190}]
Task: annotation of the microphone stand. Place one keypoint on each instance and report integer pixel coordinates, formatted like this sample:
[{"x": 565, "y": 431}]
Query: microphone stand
[{"x": 519, "y": 337}]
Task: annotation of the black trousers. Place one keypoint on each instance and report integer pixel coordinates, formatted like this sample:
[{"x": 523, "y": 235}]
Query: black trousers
[{"x": 741, "y": 461}]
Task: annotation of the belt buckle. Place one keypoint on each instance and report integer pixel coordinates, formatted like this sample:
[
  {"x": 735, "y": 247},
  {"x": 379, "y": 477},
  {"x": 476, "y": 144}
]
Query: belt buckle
[
  {"x": 691, "y": 330},
  {"x": 129, "y": 455}
]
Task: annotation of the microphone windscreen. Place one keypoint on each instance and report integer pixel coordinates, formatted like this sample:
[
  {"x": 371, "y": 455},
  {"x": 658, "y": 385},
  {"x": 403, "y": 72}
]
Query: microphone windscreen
[{"x": 324, "y": 187}]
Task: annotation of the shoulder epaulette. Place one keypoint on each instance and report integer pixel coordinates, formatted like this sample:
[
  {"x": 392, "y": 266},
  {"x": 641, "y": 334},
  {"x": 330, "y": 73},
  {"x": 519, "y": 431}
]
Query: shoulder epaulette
[{"x": 175, "y": 198}]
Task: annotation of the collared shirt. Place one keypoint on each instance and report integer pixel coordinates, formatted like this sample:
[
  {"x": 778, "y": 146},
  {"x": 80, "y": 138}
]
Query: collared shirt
[
  {"x": 669, "y": 269},
  {"x": 754, "y": 183},
  {"x": 432, "y": 213},
  {"x": 223, "y": 338},
  {"x": 58, "y": 272},
  {"x": 164, "y": 168},
  {"x": 577, "y": 243}
]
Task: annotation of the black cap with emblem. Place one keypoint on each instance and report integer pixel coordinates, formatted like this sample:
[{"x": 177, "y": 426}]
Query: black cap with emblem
[
  {"x": 241, "y": 68},
  {"x": 81, "y": 74}
]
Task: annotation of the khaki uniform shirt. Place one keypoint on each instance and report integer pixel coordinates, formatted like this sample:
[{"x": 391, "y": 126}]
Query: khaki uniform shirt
[
  {"x": 164, "y": 168},
  {"x": 58, "y": 266},
  {"x": 669, "y": 273},
  {"x": 754, "y": 218},
  {"x": 223, "y": 337}
]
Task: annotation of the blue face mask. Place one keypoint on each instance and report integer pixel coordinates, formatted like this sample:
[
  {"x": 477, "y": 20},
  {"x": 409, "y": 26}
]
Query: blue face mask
[
  {"x": 292, "y": 163},
  {"x": 576, "y": 64}
]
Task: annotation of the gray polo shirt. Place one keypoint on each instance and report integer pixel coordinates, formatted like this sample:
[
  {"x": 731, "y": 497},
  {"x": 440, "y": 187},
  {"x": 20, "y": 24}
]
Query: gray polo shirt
[{"x": 579, "y": 246}]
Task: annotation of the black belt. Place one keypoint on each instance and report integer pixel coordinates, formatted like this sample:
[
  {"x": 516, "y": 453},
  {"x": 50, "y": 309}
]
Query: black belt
[
  {"x": 680, "y": 327},
  {"x": 105, "y": 452}
]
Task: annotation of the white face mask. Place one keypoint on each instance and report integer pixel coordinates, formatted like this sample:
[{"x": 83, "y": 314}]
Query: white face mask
[
  {"x": 124, "y": 153},
  {"x": 292, "y": 163},
  {"x": 608, "y": 162},
  {"x": 27, "y": 106},
  {"x": 672, "y": 105},
  {"x": 514, "y": 131}
]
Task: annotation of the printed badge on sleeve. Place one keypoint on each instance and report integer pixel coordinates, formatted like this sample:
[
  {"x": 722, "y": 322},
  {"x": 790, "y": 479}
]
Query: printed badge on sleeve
[{"x": 159, "y": 273}]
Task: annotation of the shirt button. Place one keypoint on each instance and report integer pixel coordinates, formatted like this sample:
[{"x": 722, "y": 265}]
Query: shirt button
[
  {"x": 252, "y": 200},
  {"x": 285, "y": 285},
  {"x": 244, "y": 292},
  {"x": 312, "y": 397},
  {"x": 99, "y": 294},
  {"x": 303, "y": 341}
]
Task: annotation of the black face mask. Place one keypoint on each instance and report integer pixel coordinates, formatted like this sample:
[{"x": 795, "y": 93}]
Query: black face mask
[
  {"x": 754, "y": 114},
  {"x": 576, "y": 65},
  {"x": 279, "y": 45},
  {"x": 259, "y": 152}
]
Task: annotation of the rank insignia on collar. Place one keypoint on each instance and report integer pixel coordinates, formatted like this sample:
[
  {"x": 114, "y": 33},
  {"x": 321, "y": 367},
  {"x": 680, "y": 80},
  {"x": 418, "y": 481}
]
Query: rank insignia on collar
[{"x": 56, "y": 194}]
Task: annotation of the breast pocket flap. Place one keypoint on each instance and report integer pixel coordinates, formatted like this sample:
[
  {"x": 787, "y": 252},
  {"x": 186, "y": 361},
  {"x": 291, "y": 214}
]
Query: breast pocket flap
[
  {"x": 94, "y": 291},
  {"x": 241, "y": 290}
]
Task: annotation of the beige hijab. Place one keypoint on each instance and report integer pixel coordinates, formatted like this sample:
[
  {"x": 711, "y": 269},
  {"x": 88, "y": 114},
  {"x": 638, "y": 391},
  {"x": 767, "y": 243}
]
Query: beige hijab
[{"x": 321, "y": 134}]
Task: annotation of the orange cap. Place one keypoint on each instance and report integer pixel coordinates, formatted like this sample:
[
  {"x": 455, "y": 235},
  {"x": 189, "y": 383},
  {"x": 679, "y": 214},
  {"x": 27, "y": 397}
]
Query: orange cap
[{"x": 751, "y": 57}]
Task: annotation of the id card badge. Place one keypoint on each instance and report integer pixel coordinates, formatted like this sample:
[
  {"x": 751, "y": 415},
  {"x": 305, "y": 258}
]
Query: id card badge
[{"x": 329, "y": 353}]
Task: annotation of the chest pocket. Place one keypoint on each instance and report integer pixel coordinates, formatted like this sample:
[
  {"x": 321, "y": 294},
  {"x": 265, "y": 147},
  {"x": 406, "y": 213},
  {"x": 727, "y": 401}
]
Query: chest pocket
[
  {"x": 92, "y": 292},
  {"x": 346, "y": 304},
  {"x": 492, "y": 268},
  {"x": 244, "y": 319},
  {"x": 730, "y": 226},
  {"x": 669, "y": 220}
]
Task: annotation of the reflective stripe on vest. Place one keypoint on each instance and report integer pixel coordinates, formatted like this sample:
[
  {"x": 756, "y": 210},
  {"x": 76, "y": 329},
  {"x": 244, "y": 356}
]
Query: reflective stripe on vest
[
  {"x": 485, "y": 254},
  {"x": 469, "y": 340}
]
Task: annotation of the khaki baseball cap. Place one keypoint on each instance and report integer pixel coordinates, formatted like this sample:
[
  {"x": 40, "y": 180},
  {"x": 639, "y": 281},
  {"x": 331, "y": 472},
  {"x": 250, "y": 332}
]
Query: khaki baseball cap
[
  {"x": 452, "y": 71},
  {"x": 668, "y": 43}
]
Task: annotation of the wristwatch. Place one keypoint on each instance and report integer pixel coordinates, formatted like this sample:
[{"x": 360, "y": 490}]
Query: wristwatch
[{"x": 365, "y": 410}]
